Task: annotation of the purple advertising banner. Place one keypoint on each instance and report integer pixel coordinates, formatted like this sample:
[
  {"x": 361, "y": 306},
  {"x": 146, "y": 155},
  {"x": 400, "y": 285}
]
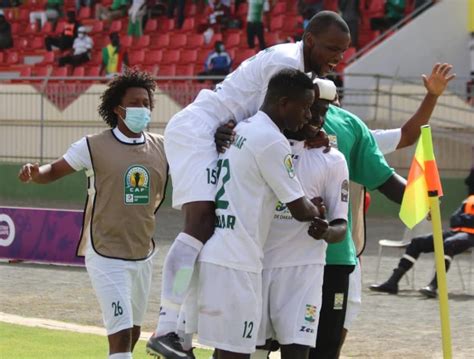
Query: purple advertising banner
[{"x": 40, "y": 235}]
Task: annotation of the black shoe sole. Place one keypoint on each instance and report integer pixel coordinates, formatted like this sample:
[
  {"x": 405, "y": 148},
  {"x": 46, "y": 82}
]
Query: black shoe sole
[
  {"x": 380, "y": 290},
  {"x": 428, "y": 293}
]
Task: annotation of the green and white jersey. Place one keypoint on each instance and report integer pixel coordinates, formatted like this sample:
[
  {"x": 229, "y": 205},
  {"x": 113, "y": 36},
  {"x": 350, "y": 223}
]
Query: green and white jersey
[
  {"x": 253, "y": 175},
  {"x": 256, "y": 9}
]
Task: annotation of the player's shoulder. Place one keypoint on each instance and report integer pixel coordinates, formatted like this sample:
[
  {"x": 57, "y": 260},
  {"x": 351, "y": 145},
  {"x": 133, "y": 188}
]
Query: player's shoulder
[
  {"x": 330, "y": 158},
  {"x": 284, "y": 54}
]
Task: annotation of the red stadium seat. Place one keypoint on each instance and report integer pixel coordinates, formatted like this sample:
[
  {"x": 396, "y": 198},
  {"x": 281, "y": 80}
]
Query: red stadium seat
[
  {"x": 79, "y": 71},
  {"x": 59, "y": 72},
  {"x": 47, "y": 28},
  {"x": 243, "y": 10},
  {"x": 116, "y": 26},
  {"x": 202, "y": 57},
  {"x": 242, "y": 55},
  {"x": 178, "y": 41},
  {"x": 276, "y": 23},
  {"x": 48, "y": 58},
  {"x": 279, "y": 9},
  {"x": 190, "y": 10},
  {"x": 59, "y": 27},
  {"x": 331, "y": 5},
  {"x": 195, "y": 41},
  {"x": 13, "y": 58},
  {"x": 188, "y": 25},
  {"x": 31, "y": 29},
  {"x": 24, "y": 15},
  {"x": 41, "y": 71},
  {"x": 151, "y": 69},
  {"x": 85, "y": 13},
  {"x": 25, "y": 71},
  {"x": 185, "y": 70},
  {"x": 232, "y": 40},
  {"x": 2, "y": 57},
  {"x": 167, "y": 70},
  {"x": 93, "y": 71},
  {"x": 153, "y": 57},
  {"x": 170, "y": 57},
  {"x": 142, "y": 42},
  {"x": 151, "y": 26},
  {"x": 37, "y": 43},
  {"x": 161, "y": 41},
  {"x": 126, "y": 41},
  {"x": 165, "y": 25},
  {"x": 271, "y": 38},
  {"x": 97, "y": 27},
  {"x": 188, "y": 57},
  {"x": 137, "y": 57}
]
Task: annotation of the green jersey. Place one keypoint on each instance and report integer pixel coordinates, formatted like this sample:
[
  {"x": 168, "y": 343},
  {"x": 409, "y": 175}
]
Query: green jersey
[
  {"x": 255, "y": 10},
  {"x": 367, "y": 166}
]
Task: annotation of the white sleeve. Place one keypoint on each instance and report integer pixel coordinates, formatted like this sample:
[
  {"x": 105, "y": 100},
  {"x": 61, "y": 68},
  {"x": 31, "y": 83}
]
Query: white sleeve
[
  {"x": 78, "y": 156},
  {"x": 387, "y": 140},
  {"x": 276, "y": 167},
  {"x": 336, "y": 190}
]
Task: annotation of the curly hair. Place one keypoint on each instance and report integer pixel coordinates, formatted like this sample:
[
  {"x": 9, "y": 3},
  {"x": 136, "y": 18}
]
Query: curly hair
[{"x": 112, "y": 97}]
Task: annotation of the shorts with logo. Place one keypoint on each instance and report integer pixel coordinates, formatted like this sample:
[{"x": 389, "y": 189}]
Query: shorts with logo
[
  {"x": 122, "y": 289},
  {"x": 230, "y": 308},
  {"x": 192, "y": 157},
  {"x": 291, "y": 304},
  {"x": 354, "y": 296}
]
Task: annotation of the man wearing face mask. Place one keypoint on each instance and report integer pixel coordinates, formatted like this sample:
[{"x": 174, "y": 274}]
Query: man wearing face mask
[
  {"x": 82, "y": 48},
  {"x": 218, "y": 62},
  {"x": 127, "y": 173}
]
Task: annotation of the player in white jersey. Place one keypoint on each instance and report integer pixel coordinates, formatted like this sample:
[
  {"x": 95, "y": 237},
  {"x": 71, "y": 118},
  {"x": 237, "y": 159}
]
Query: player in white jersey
[
  {"x": 254, "y": 174},
  {"x": 293, "y": 263},
  {"x": 192, "y": 156}
]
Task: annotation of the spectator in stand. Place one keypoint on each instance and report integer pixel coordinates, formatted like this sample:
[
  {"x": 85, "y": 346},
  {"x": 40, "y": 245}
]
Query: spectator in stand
[
  {"x": 117, "y": 10},
  {"x": 310, "y": 6},
  {"x": 349, "y": 10},
  {"x": 6, "y": 40},
  {"x": 135, "y": 20},
  {"x": 220, "y": 15},
  {"x": 114, "y": 57},
  {"x": 82, "y": 48},
  {"x": 171, "y": 6},
  {"x": 80, "y": 3},
  {"x": 66, "y": 39},
  {"x": 52, "y": 11},
  {"x": 218, "y": 63},
  {"x": 394, "y": 12},
  {"x": 255, "y": 23}
]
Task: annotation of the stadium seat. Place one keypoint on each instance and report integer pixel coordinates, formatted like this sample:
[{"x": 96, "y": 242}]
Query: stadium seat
[
  {"x": 188, "y": 25},
  {"x": 151, "y": 69},
  {"x": 153, "y": 57},
  {"x": 59, "y": 27},
  {"x": 137, "y": 57},
  {"x": 177, "y": 41},
  {"x": 93, "y": 71},
  {"x": 41, "y": 71},
  {"x": 84, "y": 13},
  {"x": 331, "y": 5},
  {"x": 188, "y": 57},
  {"x": 167, "y": 70},
  {"x": 161, "y": 41},
  {"x": 9, "y": 14},
  {"x": 165, "y": 25},
  {"x": 243, "y": 10},
  {"x": 37, "y": 43},
  {"x": 202, "y": 57},
  {"x": 271, "y": 38},
  {"x": 79, "y": 71},
  {"x": 116, "y": 26},
  {"x": 126, "y": 41},
  {"x": 96, "y": 58},
  {"x": 232, "y": 40},
  {"x": 143, "y": 42},
  {"x": 97, "y": 27},
  {"x": 151, "y": 26},
  {"x": 276, "y": 23},
  {"x": 31, "y": 29},
  {"x": 22, "y": 44},
  {"x": 215, "y": 37},
  {"x": 195, "y": 41},
  {"x": 279, "y": 9},
  {"x": 2, "y": 57},
  {"x": 242, "y": 55},
  {"x": 190, "y": 10},
  {"x": 170, "y": 57},
  {"x": 13, "y": 58},
  {"x": 47, "y": 28},
  {"x": 48, "y": 58},
  {"x": 59, "y": 72},
  {"x": 185, "y": 70},
  {"x": 24, "y": 15},
  {"x": 25, "y": 71}
]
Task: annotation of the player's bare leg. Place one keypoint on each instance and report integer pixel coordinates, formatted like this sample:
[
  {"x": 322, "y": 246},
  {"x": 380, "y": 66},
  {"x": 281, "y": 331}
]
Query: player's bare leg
[
  {"x": 294, "y": 351},
  {"x": 222, "y": 354},
  {"x": 136, "y": 330},
  {"x": 178, "y": 268},
  {"x": 121, "y": 342}
]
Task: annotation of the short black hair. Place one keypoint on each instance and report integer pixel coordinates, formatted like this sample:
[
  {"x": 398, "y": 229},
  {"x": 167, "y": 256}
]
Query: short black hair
[
  {"x": 112, "y": 97},
  {"x": 288, "y": 83},
  {"x": 323, "y": 20}
]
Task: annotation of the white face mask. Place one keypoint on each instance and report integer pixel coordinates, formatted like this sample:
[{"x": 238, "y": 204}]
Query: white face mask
[
  {"x": 137, "y": 118},
  {"x": 81, "y": 35}
]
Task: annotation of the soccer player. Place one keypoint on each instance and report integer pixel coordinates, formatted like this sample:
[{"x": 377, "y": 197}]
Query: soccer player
[
  {"x": 190, "y": 149},
  {"x": 254, "y": 174},
  {"x": 127, "y": 173},
  {"x": 293, "y": 262}
]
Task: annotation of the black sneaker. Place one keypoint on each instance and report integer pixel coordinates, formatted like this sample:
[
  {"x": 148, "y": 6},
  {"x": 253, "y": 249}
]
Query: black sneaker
[
  {"x": 385, "y": 287},
  {"x": 167, "y": 347},
  {"x": 429, "y": 291}
]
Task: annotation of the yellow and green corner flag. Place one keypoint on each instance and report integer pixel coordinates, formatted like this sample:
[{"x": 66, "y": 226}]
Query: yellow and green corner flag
[
  {"x": 421, "y": 196},
  {"x": 423, "y": 171}
]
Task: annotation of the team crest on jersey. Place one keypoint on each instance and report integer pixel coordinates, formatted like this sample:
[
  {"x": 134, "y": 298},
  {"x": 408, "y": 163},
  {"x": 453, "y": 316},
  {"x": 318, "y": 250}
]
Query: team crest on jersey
[
  {"x": 345, "y": 191},
  {"x": 280, "y": 207},
  {"x": 332, "y": 141},
  {"x": 289, "y": 166},
  {"x": 137, "y": 185},
  {"x": 310, "y": 313}
]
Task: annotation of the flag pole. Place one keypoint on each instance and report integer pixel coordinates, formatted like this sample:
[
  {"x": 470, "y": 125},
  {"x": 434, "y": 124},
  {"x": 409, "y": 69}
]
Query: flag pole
[{"x": 438, "y": 242}]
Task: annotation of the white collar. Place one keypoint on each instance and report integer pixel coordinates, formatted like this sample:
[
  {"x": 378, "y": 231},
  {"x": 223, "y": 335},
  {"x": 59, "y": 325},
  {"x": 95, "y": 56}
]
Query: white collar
[{"x": 121, "y": 137}]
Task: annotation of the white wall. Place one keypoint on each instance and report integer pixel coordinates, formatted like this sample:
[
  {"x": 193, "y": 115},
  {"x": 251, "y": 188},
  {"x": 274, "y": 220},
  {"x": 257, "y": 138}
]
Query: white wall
[{"x": 438, "y": 35}]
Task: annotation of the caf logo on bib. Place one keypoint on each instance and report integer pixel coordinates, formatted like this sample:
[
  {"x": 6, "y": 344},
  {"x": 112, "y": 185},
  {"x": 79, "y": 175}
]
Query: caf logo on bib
[
  {"x": 137, "y": 185},
  {"x": 289, "y": 166}
]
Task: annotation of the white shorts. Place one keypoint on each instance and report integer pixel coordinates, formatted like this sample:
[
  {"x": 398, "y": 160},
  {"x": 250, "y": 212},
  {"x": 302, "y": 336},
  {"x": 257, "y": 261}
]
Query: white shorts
[
  {"x": 122, "y": 289},
  {"x": 230, "y": 308},
  {"x": 192, "y": 157},
  {"x": 291, "y": 304},
  {"x": 354, "y": 296}
]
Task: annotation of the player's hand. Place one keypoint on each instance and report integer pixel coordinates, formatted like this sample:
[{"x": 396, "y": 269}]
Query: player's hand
[
  {"x": 319, "y": 228},
  {"x": 28, "y": 172},
  {"x": 224, "y": 136},
  {"x": 316, "y": 138},
  {"x": 319, "y": 203},
  {"x": 437, "y": 82}
]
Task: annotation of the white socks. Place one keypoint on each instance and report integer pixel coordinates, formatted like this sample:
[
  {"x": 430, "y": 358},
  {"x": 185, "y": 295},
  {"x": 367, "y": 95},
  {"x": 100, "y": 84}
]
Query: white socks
[
  {"x": 177, "y": 272},
  {"x": 121, "y": 356}
]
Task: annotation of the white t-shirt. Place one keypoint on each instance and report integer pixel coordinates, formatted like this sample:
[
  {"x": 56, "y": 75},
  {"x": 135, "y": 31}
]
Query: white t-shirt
[
  {"x": 242, "y": 92},
  {"x": 387, "y": 140},
  {"x": 78, "y": 156},
  {"x": 255, "y": 173},
  {"x": 321, "y": 175},
  {"x": 82, "y": 45}
]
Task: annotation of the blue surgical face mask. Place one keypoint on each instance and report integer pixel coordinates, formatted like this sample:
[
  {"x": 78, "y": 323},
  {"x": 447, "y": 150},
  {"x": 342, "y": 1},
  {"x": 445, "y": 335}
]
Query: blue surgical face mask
[{"x": 137, "y": 118}]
